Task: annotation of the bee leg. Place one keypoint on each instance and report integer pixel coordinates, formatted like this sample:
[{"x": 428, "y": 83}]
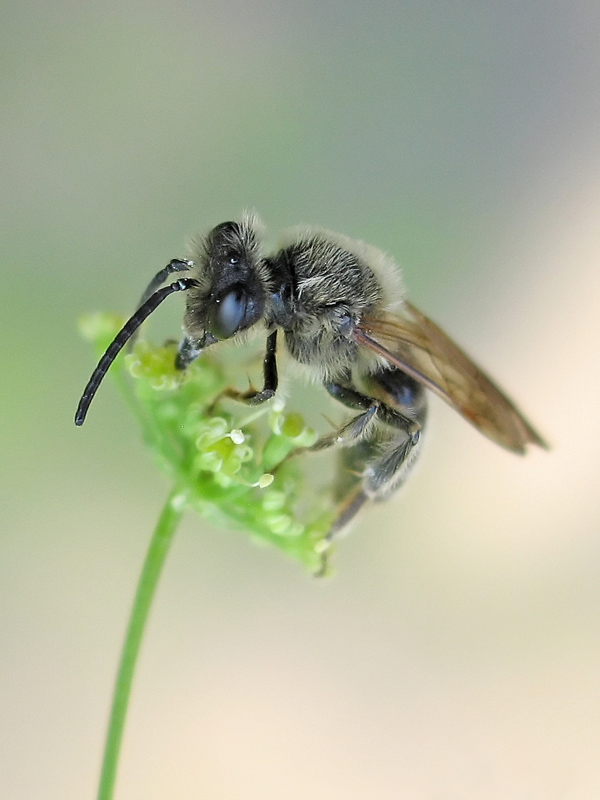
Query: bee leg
[
  {"x": 252, "y": 396},
  {"x": 353, "y": 430},
  {"x": 379, "y": 460},
  {"x": 346, "y": 510},
  {"x": 359, "y": 426},
  {"x": 393, "y": 458},
  {"x": 367, "y": 474},
  {"x": 189, "y": 350},
  {"x": 389, "y": 469}
]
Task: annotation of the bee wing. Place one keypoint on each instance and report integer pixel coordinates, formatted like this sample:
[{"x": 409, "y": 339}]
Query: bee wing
[{"x": 417, "y": 346}]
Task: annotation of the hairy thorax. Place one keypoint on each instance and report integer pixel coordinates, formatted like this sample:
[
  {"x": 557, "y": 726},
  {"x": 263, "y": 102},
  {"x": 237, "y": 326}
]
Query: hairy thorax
[{"x": 332, "y": 288}]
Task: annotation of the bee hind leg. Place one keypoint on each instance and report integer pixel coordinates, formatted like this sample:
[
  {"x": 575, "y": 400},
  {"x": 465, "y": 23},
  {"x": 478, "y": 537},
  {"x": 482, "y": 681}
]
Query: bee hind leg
[
  {"x": 361, "y": 426},
  {"x": 391, "y": 466},
  {"x": 375, "y": 458},
  {"x": 395, "y": 455}
]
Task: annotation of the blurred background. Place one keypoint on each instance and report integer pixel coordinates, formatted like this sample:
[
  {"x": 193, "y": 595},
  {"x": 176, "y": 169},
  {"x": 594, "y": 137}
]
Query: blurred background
[{"x": 455, "y": 654}]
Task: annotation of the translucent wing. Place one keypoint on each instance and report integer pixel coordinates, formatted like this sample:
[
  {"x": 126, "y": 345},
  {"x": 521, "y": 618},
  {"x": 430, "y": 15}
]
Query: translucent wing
[{"x": 416, "y": 345}]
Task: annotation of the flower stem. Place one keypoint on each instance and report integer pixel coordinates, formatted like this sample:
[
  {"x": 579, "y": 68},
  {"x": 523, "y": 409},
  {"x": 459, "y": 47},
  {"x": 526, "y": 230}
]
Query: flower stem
[{"x": 155, "y": 559}]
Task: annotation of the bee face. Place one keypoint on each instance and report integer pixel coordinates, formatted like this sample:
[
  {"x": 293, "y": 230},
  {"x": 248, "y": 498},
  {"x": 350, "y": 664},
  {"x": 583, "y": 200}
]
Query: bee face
[{"x": 232, "y": 284}]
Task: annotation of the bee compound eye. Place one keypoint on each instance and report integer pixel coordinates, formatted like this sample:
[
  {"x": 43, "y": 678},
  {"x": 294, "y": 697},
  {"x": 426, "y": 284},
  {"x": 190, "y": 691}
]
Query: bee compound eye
[
  {"x": 345, "y": 322},
  {"x": 228, "y": 315}
]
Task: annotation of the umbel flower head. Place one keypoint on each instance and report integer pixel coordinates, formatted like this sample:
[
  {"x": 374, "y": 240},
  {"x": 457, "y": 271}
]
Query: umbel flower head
[{"x": 229, "y": 460}]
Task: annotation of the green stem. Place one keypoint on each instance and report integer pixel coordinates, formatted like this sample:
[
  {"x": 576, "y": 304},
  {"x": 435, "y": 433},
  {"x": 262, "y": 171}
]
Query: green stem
[{"x": 155, "y": 559}]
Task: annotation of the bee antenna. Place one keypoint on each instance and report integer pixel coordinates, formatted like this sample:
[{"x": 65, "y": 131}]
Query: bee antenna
[{"x": 130, "y": 327}]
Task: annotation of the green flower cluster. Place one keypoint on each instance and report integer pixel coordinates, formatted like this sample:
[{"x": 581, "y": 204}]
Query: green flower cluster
[{"x": 229, "y": 460}]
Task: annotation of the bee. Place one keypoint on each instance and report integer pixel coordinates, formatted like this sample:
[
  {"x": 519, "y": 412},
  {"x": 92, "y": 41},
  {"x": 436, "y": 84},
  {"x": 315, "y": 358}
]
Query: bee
[{"x": 340, "y": 306}]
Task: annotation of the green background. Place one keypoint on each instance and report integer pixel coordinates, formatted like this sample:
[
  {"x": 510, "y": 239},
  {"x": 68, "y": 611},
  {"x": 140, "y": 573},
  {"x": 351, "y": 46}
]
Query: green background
[{"x": 455, "y": 652}]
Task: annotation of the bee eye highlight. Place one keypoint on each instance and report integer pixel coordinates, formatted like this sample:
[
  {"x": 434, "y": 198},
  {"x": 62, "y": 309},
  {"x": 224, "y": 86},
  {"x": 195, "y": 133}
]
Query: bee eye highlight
[{"x": 228, "y": 315}]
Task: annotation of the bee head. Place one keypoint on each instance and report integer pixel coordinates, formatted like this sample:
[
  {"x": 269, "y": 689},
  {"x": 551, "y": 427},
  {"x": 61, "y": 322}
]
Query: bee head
[{"x": 232, "y": 281}]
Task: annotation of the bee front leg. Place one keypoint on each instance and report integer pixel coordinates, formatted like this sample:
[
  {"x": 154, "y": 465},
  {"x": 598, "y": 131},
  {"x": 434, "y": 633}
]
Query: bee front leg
[
  {"x": 189, "y": 350},
  {"x": 271, "y": 381}
]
